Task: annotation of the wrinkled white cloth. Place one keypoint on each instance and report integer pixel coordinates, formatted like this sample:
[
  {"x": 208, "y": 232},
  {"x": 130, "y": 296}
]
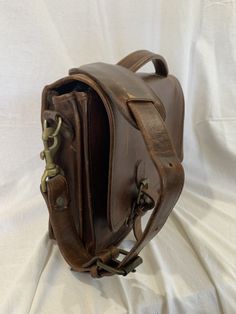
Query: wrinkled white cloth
[{"x": 190, "y": 266}]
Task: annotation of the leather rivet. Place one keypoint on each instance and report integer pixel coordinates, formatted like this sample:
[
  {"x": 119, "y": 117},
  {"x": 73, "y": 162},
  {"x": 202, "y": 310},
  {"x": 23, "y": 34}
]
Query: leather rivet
[{"x": 60, "y": 202}]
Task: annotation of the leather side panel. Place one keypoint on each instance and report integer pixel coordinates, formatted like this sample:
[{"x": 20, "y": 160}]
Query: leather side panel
[{"x": 69, "y": 154}]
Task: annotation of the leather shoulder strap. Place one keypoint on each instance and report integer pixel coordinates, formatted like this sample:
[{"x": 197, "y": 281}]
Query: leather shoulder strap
[
  {"x": 167, "y": 165},
  {"x": 139, "y": 58}
]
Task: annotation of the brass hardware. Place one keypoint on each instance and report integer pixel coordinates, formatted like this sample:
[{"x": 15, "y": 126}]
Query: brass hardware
[
  {"x": 143, "y": 185},
  {"x": 142, "y": 203},
  {"x": 50, "y": 135},
  {"x": 130, "y": 267},
  {"x": 61, "y": 203}
]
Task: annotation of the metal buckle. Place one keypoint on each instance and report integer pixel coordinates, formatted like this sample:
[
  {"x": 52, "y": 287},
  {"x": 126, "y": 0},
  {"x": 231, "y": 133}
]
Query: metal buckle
[
  {"x": 130, "y": 267},
  {"x": 142, "y": 203},
  {"x": 50, "y": 135},
  {"x": 143, "y": 185}
]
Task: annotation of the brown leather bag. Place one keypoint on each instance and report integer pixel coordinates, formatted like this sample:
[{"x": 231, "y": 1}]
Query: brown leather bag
[{"x": 113, "y": 151}]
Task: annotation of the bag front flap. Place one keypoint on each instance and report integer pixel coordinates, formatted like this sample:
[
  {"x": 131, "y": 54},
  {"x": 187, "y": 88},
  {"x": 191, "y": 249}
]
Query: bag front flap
[
  {"x": 121, "y": 86},
  {"x": 127, "y": 148}
]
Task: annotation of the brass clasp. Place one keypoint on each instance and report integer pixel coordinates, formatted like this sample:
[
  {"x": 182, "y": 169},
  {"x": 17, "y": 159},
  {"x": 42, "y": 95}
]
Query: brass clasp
[
  {"x": 143, "y": 185},
  {"x": 142, "y": 203},
  {"x": 51, "y": 144},
  {"x": 129, "y": 267}
]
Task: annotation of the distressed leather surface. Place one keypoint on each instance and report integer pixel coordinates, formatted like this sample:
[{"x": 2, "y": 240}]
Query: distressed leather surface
[{"x": 118, "y": 128}]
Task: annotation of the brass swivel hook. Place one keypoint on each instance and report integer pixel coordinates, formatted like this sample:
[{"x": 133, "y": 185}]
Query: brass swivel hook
[{"x": 50, "y": 135}]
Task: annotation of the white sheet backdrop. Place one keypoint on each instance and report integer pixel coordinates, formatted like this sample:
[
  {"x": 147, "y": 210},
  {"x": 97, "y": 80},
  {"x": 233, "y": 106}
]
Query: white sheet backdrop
[{"x": 190, "y": 266}]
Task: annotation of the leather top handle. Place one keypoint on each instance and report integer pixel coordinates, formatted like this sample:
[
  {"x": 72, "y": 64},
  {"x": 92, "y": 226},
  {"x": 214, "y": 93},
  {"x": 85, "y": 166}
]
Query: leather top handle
[{"x": 139, "y": 58}]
